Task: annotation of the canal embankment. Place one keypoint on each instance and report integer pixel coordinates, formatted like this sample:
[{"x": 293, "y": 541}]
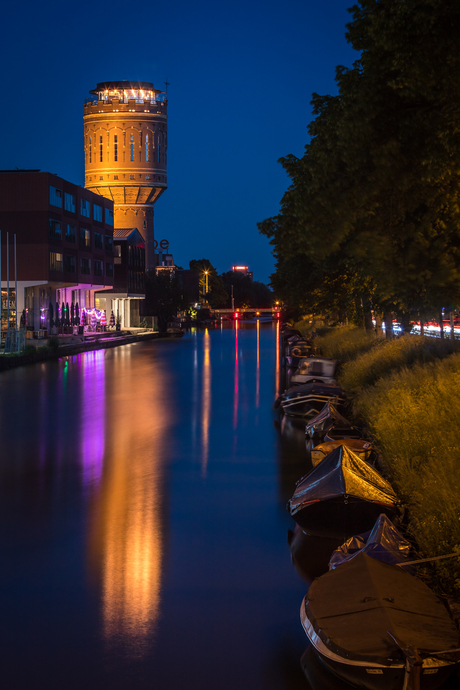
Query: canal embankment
[
  {"x": 66, "y": 345},
  {"x": 407, "y": 393}
]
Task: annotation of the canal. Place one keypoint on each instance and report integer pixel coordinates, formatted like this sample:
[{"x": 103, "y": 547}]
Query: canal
[{"x": 143, "y": 521}]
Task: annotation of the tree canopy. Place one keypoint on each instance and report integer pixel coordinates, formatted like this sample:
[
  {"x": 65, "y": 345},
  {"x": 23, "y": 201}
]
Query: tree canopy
[{"x": 373, "y": 208}]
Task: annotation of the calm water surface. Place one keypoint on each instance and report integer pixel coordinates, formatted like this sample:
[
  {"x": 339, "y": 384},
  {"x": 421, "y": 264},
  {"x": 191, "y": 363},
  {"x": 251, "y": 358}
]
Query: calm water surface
[{"x": 143, "y": 521}]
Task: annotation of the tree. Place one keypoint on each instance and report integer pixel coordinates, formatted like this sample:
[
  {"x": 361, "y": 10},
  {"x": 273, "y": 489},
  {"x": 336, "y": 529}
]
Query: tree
[
  {"x": 163, "y": 297},
  {"x": 377, "y": 190},
  {"x": 216, "y": 294}
]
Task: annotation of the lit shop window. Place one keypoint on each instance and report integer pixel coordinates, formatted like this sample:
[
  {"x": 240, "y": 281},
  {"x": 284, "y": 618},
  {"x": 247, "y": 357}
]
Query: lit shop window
[
  {"x": 55, "y": 197},
  {"x": 55, "y": 261},
  {"x": 69, "y": 202},
  {"x": 55, "y": 229},
  {"x": 97, "y": 212},
  {"x": 84, "y": 208}
]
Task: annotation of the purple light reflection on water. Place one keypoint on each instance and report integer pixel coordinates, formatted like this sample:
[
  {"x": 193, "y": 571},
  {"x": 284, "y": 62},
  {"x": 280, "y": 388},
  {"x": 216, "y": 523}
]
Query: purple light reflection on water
[{"x": 92, "y": 416}]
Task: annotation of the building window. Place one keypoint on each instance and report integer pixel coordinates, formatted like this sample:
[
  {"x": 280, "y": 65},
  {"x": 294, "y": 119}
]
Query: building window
[
  {"x": 55, "y": 261},
  {"x": 101, "y": 177},
  {"x": 109, "y": 216},
  {"x": 115, "y": 147},
  {"x": 97, "y": 268},
  {"x": 140, "y": 139},
  {"x": 84, "y": 208},
  {"x": 69, "y": 202},
  {"x": 97, "y": 212},
  {"x": 132, "y": 146},
  {"x": 101, "y": 155},
  {"x": 146, "y": 148},
  {"x": 55, "y": 197},
  {"x": 117, "y": 250},
  {"x": 85, "y": 238},
  {"x": 90, "y": 151},
  {"x": 109, "y": 270},
  {"x": 55, "y": 229},
  {"x": 71, "y": 233},
  {"x": 98, "y": 243},
  {"x": 131, "y": 177},
  {"x": 70, "y": 264},
  {"x": 108, "y": 243},
  {"x": 85, "y": 266},
  {"x": 115, "y": 177},
  {"x": 147, "y": 177}
]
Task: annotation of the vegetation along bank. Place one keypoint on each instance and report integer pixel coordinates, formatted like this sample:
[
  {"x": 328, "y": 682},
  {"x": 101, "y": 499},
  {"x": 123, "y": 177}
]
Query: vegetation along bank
[{"x": 407, "y": 392}]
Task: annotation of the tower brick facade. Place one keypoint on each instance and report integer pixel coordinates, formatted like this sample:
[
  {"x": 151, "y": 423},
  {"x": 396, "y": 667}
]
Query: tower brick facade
[{"x": 125, "y": 139}]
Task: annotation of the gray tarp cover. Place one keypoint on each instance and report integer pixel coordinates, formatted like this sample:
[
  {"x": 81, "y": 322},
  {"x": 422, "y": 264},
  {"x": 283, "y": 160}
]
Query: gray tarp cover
[
  {"x": 342, "y": 472},
  {"x": 353, "y": 608},
  {"x": 383, "y": 542},
  {"x": 328, "y": 416}
]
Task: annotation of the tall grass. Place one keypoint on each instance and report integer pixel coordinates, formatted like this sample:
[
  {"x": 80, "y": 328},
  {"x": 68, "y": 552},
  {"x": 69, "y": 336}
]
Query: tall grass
[
  {"x": 347, "y": 342},
  {"x": 414, "y": 416},
  {"x": 367, "y": 367}
]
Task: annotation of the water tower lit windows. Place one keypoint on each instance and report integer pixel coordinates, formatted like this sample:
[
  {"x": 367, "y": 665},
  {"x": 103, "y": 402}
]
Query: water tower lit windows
[
  {"x": 132, "y": 147},
  {"x": 100, "y": 149},
  {"x": 115, "y": 147},
  {"x": 146, "y": 148},
  {"x": 90, "y": 153}
]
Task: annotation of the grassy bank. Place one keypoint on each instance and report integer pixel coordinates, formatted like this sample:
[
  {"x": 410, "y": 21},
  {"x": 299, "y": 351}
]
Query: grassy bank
[{"x": 408, "y": 393}]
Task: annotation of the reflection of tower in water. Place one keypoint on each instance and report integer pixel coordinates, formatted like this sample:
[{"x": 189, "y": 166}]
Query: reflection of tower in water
[{"x": 126, "y": 543}]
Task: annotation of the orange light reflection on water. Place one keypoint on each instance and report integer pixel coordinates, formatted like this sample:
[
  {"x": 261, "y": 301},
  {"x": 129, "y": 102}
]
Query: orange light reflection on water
[
  {"x": 258, "y": 369},
  {"x": 277, "y": 377},
  {"x": 235, "y": 393},
  {"x": 126, "y": 530}
]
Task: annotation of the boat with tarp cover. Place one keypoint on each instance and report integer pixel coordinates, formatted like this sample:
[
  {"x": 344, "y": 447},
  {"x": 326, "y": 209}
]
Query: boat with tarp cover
[
  {"x": 383, "y": 542},
  {"x": 308, "y": 399},
  {"x": 378, "y": 627},
  {"x": 330, "y": 425},
  {"x": 342, "y": 496},
  {"x": 360, "y": 447}
]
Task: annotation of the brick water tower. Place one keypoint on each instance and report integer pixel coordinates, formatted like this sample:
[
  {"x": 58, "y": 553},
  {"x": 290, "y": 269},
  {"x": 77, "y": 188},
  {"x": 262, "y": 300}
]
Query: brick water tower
[{"x": 125, "y": 135}]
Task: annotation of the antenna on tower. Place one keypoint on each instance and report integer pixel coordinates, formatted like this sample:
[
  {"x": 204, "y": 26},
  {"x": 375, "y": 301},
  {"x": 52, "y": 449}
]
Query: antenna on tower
[{"x": 166, "y": 83}]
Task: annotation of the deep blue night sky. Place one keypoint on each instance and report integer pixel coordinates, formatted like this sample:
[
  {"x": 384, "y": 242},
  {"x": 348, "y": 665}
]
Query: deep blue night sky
[{"x": 241, "y": 77}]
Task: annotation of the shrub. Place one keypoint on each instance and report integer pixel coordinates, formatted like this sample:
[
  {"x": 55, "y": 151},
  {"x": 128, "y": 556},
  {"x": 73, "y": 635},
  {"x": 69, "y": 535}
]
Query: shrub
[
  {"x": 347, "y": 342},
  {"x": 53, "y": 343}
]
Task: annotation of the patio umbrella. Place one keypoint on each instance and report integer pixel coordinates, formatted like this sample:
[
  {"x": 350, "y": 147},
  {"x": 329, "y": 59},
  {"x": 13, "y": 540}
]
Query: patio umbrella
[
  {"x": 83, "y": 318},
  {"x": 51, "y": 314},
  {"x": 57, "y": 322},
  {"x": 67, "y": 315},
  {"x": 112, "y": 320},
  {"x": 77, "y": 315},
  {"x": 93, "y": 319},
  {"x": 103, "y": 319},
  {"x": 72, "y": 315}
]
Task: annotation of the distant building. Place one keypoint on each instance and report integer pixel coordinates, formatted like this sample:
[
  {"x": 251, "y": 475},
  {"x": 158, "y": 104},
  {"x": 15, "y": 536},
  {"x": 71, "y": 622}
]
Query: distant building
[
  {"x": 164, "y": 262},
  {"x": 244, "y": 270},
  {"x": 64, "y": 238},
  {"x": 129, "y": 278},
  {"x": 125, "y": 141}
]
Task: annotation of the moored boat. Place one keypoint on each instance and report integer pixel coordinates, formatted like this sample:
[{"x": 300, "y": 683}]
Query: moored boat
[
  {"x": 297, "y": 352},
  {"x": 308, "y": 399},
  {"x": 315, "y": 369},
  {"x": 383, "y": 542},
  {"x": 342, "y": 496},
  {"x": 330, "y": 425},
  {"x": 360, "y": 447},
  {"x": 378, "y": 627}
]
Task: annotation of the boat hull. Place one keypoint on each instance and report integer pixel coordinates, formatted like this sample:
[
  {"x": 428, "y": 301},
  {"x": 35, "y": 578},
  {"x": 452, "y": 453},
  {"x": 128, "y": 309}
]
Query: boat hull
[
  {"x": 340, "y": 517},
  {"x": 374, "y": 676}
]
